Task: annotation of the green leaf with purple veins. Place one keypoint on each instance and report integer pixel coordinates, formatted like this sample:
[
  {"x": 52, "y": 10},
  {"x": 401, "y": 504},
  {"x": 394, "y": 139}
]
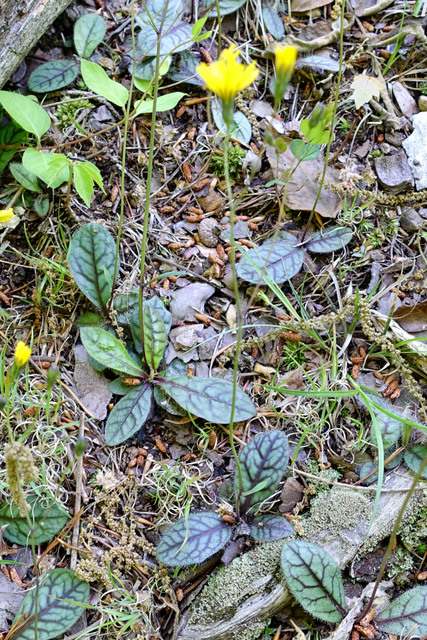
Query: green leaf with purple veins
[
  {"x": 53, "y": 75},
  {"x": 280, "y": 261},
  {"x": 267, "y": 528},
  {"x": 263, "y": 462},
  {"x": 328, "y": 240},
  {"x": 108, "y": 351},
  {"x": 194, "y": 539},
  {"x": 129, "y": 414},
  {"x": 60, "y": 602},
  {"x": 155, "y": 337},
  {"x": 314, "y": 579},
  {"x": 408, "y": 613},
  {"x": 414, "y": 456},
  {"x": 208, "y": 398}
]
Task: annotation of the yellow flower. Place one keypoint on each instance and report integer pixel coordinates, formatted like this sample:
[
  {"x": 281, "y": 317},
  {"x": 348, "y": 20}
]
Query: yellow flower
[
  {"x": 6, "y": 215},
  {"x": 285, "y": 58},
  {"x": 22, "y": 354},
  {"x": 226, "y": 78}
]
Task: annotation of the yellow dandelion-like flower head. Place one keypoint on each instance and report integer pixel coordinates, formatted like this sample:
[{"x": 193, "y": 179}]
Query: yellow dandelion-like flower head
[
  {"x": 22, "y": 354},
  {"x": 285, "y": 58},
  {"x": 6, "y": 215}
]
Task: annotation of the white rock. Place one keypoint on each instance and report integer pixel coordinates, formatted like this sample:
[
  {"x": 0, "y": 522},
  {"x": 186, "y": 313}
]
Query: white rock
[{"x": 416, "y": 150}]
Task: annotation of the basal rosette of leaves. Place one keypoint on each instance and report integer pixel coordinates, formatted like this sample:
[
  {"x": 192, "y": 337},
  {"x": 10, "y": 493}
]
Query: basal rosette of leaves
[{"x": 142, "y": 377}]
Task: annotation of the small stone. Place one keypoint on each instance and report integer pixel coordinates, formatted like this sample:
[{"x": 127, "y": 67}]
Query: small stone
[
  {"x": 422, "y": 103},
  {"x": 406, "y": 102},
  {"x": 209, "y": 231},
  {"x": 395, "y": 138},
  {"x": 416, "y": 150},
  {"x": 385, "y": 148},
  {"x": 394, "y": 173},
  {"x": 411, "y": 221},
  {"x": 189, "y": 300}
]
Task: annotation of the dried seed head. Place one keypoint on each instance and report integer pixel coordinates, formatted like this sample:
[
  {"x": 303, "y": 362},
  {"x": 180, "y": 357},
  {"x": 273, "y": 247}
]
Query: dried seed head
[
  {"x": 20, "y": 469},
  {"x": 209, "y": 231}
]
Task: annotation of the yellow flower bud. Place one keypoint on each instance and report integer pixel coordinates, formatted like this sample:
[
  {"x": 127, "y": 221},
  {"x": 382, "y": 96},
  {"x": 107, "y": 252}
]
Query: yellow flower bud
[
  {"x": 285, "y": 58},
  {"x": 6, "y": 215},
  {"x": 22, "y": 354}
]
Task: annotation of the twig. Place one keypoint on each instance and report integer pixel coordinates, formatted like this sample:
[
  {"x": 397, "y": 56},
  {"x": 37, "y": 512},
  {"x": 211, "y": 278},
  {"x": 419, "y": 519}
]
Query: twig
[
  {"x": 356, "y": 487},
  {"x": 78, "y": 476}
]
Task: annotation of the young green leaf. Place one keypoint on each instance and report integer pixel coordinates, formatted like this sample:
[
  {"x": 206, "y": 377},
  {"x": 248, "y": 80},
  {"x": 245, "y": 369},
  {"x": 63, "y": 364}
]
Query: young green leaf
[
  {"x": 129, "y": 415},
  {"x": 407, "y": 614},
  {"x": 303, "y": 151},
  {"x": 89, "y": 32},
  {"x": 58, "y": 600},
  {"x": 284, "y": 260},
  {"x": 208, "y": 398},
  {"x": 98, "y": 81},
  {"x": 263, "y": 462},
  {"x": 194, "y": 539},
  {"x": 24, "y": 177},
  {"x": 107, "y": 350},
  {"x": 314, "y": 580},
  {"x": 198, "y": 26},
  {"x": 267, "y": 528},
  {"x": 414, "y": 456},
  {"x": 83, "y": 183},
  {"x": 328, "y": 240},
  {"x": 11, "y": 135},
  {"x": 25, "y": 112},
  {"x": 164, "y": 103},
  {"x": 155, "y": 337},
  {"x": 315, "y": 135},
  {"x": 47, "y": 519},
  {"x": 91, "y": 262},
  {"x": 47, "y": 166},
  {"x": 41, "y": 205},
  {"x": 53, "y": 75}
]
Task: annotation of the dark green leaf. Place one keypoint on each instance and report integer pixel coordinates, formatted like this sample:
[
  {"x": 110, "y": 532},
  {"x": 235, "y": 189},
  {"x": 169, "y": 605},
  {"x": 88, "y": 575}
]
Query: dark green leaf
[
  {"x": 89, "y": 32},
  {"x": 284, "y": 260},
  {"x": 91, "y": 262},
  {"x": 119, "y": 388},
  {"x": 304, "y": 151},
  {"x": 154, "y": 303},
  {"x": 193, "y": 540},
  {"x": 263, "y": 463},
  {"x": 208, "y": 398},
  {"x": 24, "y": 177},
  {"x": 109, "y": 351},
  {"x": 174, "y": 37},
  {"x": 407, "y": 614},
  {"x": 53, "y": 75},
  {"x": 155, "y": 337},
  {"x": 12, "y": 135},
  {"x": 184, "y": 70},
  {"x": 414, "y": 457},
  {"x": 54, "y": 614},
  {"x": 175, "y": 368},
  {"x": 314, "y": 580},
  {"x": 267, "y": 528},
  {"x": 390, "y": 429},
  {"x": 47, "y": 519},
  {"x": 273, "y": 22},
  {"x": 124, "y": 304},
  {"x": 328, "y": 240},
  {"x": 129, "y": 414},
  {"x": 90, "y": 319},
  {"x": 41, "y": 206}
]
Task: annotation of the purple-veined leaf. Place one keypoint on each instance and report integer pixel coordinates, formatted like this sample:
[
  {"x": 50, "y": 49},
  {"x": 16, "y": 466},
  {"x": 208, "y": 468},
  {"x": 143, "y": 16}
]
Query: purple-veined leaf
[
  {"x": 155, "y": 337},
  {"x": 91, "y": 262},
  {"x": 108, "y": 351},
  {"x": 184, "y": 70},
  {"x": 208, "y": 398},
  {"x": 194, "y": 539},
  {"x": 407, "y": 614},
  {"x": 89, "y": 32},
  {"x": 53, "y": 75},
  {"x": 174, "y": 38},
  {"x": 133, "y": 315},
  {"x": 268, "y": 527},
  {"x": 129, "y": 415},
  {"x": 58, "y": 607},
  {"x": 284, "y": 260},
  {"x": 46, "y": 517},
  {"x": 263, "y": 462},
  {"x": 314, "y": 579},
  {"x": 241, "y": 128},
  {"x": 414, "y": 456},
  {"x": 328, "y": 240}
]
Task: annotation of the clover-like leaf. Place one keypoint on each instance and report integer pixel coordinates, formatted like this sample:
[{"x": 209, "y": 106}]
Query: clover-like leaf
[
  {"x": 328, "y": 240},
  {"x": 108, "y": 351},
  {"x": 407, "y": 614},
  {"x": 53, "y": 75},
  {"x": 263, "y": 462},
  {"x": 155, "y": 337},
  {"x": 89, "y": 32},
  {"x": 208, "y": 398},
  {"x": 194, "y": 539},
  {"x": 91, "y": 262},
  {"x": 284, "y": 260},
  {"x": 414, "y": 457},
  {"x": 268, "y": 527},
  {"x": 129, "y": 414},
  {"x": 58, "y": 599},
  {"x": 46, "y": 517},
  {"x": 314, "y": 579}
]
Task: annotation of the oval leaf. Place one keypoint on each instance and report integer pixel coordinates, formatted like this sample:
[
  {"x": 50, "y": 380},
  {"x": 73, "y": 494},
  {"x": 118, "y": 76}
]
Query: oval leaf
[
  {"x": 24, "y": 111},
  {"x": 89, "y": 32},
  {"x": 46, "y": 521},
  {"x": 54, "y": 614},
  {"x": 128, "y": 416},
  {"x": 414, "y": 456},
  {"x": 314, "y": 580},
  {"x": 164, "y": 103},
  {"x": 91, "y": 262},
  {"x": 273, "y": 22},
  {"x": 284, "y": 260},
  {"x": 155, "y": 337},
  {"x": 108, "y": 351},
  {"x": 24, "y": 177},
  {"x": 194, "y": 539},
  {"x": 267, "y": 528},
  {"x": 408, "y": 613},
  {"x": 263, "y": 462},
  {"x": 52, "y": 168},
  {"x": 328, "y": 240},
  {"x": 98, "y": 81},
  {"x": 208, "y": 398},
  {"x": 53, "y": 75}
]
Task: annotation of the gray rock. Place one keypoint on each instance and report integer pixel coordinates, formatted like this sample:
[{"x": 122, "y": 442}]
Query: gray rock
[
  {"x": 406, "y": 102},
  {"x": 395, "y": 138},
  {"x": 411, "y": 221},
  {"x": 416, "y": 150},
  {"x": 394, "y": 173},
  {"x": 189, "y": 300}
]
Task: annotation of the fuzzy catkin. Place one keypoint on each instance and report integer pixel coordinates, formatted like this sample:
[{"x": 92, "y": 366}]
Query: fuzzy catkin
[{"x": 20, "y": 469}]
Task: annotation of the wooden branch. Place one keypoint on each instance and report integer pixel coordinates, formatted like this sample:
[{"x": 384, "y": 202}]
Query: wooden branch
[{"x": 22, "y": 23}]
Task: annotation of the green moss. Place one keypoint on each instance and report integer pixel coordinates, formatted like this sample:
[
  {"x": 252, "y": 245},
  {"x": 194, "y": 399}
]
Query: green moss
[
  {"x": 328, "y": 474},
  {"x": 413, "y": 529}
]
